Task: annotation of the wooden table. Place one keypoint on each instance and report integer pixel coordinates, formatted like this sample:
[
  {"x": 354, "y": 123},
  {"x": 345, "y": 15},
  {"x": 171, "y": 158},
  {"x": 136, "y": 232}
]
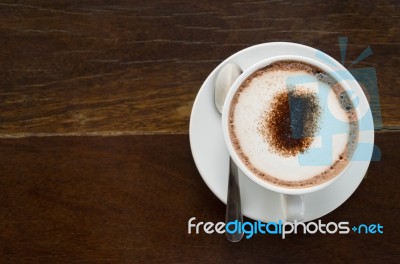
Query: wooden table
[{"x": 95, "y": 98}]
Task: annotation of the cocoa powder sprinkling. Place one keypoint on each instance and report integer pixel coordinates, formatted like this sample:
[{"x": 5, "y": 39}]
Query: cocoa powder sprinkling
[{"x": 291, "y": 122}]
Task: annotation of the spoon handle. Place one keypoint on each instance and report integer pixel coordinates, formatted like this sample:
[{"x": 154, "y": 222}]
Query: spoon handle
[{"x": 233, "y": 205}]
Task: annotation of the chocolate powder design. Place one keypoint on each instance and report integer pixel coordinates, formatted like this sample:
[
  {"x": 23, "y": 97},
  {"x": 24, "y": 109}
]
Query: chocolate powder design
[{"x": 291, "y": 123}]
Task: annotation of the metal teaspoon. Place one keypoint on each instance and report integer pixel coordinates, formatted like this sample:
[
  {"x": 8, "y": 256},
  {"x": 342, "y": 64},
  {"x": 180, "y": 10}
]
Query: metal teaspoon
[{"x": 225, "y": 78}]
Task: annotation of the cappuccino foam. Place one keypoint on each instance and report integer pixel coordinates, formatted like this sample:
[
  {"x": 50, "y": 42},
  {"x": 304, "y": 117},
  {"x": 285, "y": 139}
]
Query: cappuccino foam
[{"x": 280, "y": 117}]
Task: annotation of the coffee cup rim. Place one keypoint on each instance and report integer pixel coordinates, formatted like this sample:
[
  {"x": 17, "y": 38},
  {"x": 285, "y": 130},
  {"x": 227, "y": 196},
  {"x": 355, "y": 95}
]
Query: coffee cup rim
[{"x": 225, "y": 115}]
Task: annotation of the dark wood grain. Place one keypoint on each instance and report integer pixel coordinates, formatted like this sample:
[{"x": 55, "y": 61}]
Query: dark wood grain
[
  {"x": 111, "y": 67},
  {"x": 128, "y": 199}
]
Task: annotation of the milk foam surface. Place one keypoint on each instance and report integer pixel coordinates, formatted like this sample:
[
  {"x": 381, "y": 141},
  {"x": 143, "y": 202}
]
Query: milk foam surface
[{"x": 256, "y": 98}]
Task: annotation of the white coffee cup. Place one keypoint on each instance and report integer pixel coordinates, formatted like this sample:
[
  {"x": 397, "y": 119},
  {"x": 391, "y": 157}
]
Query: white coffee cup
[{"x": 292, "y": 200}]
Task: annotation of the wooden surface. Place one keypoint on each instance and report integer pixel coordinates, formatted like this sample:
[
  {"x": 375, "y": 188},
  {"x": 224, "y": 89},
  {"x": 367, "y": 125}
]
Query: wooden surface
[
  {"x": 95, "y": 99},
  {"x": 128, "y": 199},
  {"x": 131, "y": 67}
]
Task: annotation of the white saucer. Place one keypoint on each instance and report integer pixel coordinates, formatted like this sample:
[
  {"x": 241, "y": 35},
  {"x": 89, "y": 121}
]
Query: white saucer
[{"x": 211, "y": 155}]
